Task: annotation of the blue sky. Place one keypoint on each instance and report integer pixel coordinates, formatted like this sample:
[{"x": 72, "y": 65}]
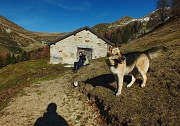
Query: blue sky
[{"x": 69, "y": 15}]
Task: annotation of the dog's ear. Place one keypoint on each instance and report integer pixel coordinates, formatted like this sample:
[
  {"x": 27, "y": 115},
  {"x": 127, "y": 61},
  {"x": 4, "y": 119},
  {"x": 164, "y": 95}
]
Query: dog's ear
[
  {"x": 118, "y": 50},
  {"x": 109, "y": 49},
  {"x": 116, "y": 45}
]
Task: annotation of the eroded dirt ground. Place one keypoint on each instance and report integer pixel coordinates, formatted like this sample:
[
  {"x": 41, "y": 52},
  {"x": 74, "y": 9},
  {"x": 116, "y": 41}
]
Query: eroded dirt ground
[{"x": 40, "y": 101}]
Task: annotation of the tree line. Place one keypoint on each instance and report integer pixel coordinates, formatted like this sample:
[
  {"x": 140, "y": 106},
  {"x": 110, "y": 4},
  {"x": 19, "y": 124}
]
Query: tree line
[
  {"x": 9, "y": 58},
  {"x": 163, "y": 4},
  {"x": 123, "y": 34},
  {"x": 120, "y": 35}
]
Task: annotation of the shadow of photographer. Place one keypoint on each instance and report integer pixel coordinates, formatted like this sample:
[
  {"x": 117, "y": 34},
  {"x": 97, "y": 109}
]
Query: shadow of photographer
[{"x": 51, "y": 118}]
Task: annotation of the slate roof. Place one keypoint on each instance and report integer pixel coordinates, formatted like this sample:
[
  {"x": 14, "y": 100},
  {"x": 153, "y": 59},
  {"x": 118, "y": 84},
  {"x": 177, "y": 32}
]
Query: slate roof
[{"x": 78, "y": 30}]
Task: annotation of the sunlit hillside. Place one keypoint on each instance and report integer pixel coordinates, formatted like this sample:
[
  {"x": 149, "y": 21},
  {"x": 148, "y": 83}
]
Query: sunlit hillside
[
  {"x": 155, "y": 104},
  {"x": 15, "y": 39}
]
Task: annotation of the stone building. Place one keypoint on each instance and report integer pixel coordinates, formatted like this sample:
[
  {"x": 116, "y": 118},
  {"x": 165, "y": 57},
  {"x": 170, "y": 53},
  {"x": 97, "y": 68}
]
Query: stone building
[{"x": 66, "y": 49}]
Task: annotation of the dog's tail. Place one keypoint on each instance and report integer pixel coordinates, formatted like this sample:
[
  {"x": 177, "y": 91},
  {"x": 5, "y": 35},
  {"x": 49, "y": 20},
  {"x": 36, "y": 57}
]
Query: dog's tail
[{"x": 155, "y": 51}]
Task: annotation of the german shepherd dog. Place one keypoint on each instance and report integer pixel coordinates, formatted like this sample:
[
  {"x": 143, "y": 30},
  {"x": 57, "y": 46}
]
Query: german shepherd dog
[{"x": 130, "y": 64}]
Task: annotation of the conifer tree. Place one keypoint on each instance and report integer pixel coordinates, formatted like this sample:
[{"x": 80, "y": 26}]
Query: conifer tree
[
  {"x": 13, "y": 59},
  {"x": 17, "y": 59},
  {"x": 28, "y": 56},
  {"x": 1, "y": 62},
  {"x": 126, "y": 35},
  {"x": 24, "y": 56},
  {"x": 8, "y": 59}
]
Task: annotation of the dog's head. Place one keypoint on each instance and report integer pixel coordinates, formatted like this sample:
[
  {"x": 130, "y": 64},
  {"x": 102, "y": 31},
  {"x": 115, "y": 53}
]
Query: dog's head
[{"x": 114, "y": 55}]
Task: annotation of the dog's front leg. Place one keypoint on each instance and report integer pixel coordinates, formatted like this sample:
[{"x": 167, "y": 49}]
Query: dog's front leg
[
  {"x": 116, "y": 80},
  {"x": 119, "y": 84}
]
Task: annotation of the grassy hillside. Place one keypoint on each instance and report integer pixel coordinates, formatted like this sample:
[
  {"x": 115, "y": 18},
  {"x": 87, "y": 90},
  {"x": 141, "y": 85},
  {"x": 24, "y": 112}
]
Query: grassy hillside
[
  {"x": 15, "y": 39},
  {"x": 127, "y": 28},
  {"x": 155, "y": 104}
]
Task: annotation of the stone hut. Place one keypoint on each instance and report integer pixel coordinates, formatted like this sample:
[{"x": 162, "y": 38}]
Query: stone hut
[{"x": 66, "y": 49}]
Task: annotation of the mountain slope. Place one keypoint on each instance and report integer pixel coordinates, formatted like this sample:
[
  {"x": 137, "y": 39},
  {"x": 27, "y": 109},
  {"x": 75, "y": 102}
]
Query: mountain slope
[
  {"x": 128, "y": 28},
  {"x": 15, "y": 39}
]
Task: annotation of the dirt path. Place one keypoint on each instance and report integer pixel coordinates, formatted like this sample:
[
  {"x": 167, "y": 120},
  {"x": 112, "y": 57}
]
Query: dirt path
[{"x": 34, "y": 101}]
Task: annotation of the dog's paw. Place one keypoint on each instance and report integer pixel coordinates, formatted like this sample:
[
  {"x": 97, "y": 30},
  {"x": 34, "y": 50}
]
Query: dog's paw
[
  {"x": 142, "y": 85},
  {"x": 129, "y": 85},
  {"x": 118, "y": 93}
]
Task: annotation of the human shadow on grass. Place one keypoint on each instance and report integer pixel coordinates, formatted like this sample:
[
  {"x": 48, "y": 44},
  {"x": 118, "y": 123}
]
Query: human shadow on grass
[
  {"x": 106, "y": 79},
  {"x": 51, "y": 118}
]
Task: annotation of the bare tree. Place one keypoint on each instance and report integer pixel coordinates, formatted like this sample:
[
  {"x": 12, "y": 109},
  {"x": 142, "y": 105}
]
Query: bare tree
[
  {"x": 176, "y": 7},
  {"x": 162, "y": 6}
]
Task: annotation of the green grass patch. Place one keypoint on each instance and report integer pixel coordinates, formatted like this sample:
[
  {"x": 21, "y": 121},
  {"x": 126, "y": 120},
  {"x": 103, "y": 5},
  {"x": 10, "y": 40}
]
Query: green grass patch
[
  {"x": 39, "y": 93},
  {"x": 22, "y": 93},
  {"x": 78, "y": 117},
  {"x": 2, "y": 106},
  {"x": 16, "y": 76}
]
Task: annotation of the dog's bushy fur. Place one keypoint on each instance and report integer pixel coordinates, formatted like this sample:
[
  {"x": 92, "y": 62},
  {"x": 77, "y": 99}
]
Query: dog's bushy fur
[{"x": 130, "y": 64}]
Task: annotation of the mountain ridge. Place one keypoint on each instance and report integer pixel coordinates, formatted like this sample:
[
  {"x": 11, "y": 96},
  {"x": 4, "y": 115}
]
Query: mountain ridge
[
  {"x": 127, "y": 28},
  {"x": 15, "y": 39}
]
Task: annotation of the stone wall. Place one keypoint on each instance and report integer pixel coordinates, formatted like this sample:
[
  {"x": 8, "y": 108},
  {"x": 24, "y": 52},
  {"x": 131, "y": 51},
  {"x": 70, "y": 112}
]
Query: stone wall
[{"x": 65, "y": 51}]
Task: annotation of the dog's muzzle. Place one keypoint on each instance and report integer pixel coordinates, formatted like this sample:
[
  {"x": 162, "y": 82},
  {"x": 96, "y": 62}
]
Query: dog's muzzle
[{"x": 120, "y": 60}]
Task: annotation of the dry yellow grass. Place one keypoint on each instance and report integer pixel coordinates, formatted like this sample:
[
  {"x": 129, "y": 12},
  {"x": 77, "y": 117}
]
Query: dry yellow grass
[
  {"x": 155, "y": 104},
  {"x": 167, "y": 35}
]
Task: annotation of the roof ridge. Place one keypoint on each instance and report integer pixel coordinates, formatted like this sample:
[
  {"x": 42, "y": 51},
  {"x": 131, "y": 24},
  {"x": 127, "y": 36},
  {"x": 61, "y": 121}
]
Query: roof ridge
[{"x": 78, "y": 30}]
